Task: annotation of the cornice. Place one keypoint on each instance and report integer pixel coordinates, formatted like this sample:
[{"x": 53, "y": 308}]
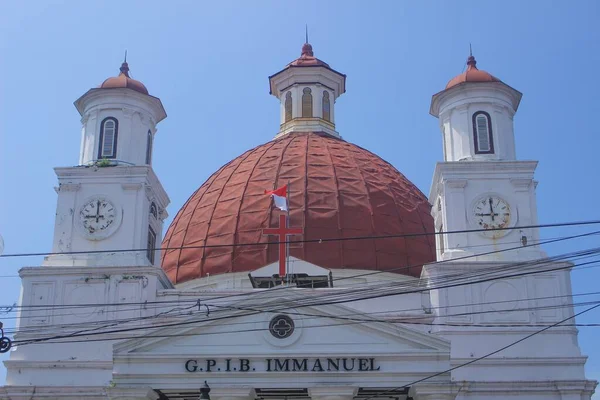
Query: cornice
[
  {"x": 117, "y": 98},
  {"x": 32, "y": 272}
]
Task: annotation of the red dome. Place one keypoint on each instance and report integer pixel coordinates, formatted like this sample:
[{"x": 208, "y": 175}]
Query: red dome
[
  {"x": 124, "y": 81},
  {"x": 337, "y": 190},
  {"x": 472, "y": 74}
]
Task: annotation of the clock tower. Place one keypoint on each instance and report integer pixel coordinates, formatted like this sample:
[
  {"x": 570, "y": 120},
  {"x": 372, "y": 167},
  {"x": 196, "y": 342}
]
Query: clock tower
[
  {"x": 112, "y": 202},
  {"x": 481, "y": 186}
]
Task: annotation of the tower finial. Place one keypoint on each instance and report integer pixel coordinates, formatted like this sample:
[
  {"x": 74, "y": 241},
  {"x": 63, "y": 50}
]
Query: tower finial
[
  {"x": 125, "y": 56},
  {"x": 306, "y": 26},
  {"x": 471, "y": 63}
]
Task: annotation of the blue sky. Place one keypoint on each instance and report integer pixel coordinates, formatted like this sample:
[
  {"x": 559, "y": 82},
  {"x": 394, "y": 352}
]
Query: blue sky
[{"x": 209, "y": 63}]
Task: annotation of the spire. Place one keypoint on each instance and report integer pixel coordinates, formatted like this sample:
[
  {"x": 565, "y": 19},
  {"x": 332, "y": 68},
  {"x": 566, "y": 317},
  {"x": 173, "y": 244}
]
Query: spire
[
  {"x": 306, "y": 41},
  {"x": 125, "y": 67},
  {"x": 471, "y": 63}
]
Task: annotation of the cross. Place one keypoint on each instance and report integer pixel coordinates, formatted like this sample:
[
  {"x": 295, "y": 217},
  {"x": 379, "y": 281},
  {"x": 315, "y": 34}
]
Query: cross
[{"x": 283, "y": 231}]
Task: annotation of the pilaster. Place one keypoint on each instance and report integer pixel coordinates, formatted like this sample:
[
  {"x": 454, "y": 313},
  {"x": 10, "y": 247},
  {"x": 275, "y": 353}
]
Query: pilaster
[
  {"x": 119, "y": 393},
  {"x": 333, "y": 392},
  {"x": 232, "y": 393}
]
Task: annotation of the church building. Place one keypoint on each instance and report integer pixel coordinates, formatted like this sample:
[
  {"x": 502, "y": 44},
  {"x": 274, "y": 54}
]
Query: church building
[{"x": 306, "y": 268}]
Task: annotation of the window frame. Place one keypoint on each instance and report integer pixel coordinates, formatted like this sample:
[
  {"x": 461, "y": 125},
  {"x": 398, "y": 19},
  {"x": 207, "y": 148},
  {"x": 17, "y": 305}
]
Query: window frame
[
  {"x": 151, "y": 250},
  {"x": 476, "y": 133},
  {"x": 149, "y": 143},
  {"x": 307, "y": 100},
  {"x": 288, "y": 107},
  {"x": 326, "y": 100},
  {"x": 113, "y": 154}
]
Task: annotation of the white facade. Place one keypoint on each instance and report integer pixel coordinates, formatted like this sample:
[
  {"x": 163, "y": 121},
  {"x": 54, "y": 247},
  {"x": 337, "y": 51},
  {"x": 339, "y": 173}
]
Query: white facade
[{"x": 127, "y": 333}]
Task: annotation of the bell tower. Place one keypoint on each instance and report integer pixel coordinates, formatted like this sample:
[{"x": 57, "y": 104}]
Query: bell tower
[
  {"x": 112, "y": 200},
  {"x": 481, "y": 185}
]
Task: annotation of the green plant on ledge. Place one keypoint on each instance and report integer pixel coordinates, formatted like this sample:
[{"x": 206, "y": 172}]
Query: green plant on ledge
[{"x": 105, "y": 162}]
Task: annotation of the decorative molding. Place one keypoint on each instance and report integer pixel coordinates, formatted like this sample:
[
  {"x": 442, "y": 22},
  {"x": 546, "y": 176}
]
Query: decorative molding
[
  {"x": 68, "y": 187},
  {"x": 462, "y": 109},
  {"x": 128, "y": 112},
  {"x": 521, "y": 183},
  {"x": 456, "y": 183},
  {"x": 131, "y": 186},
  {"x": 79, "y": 364},
  {"x": 149, "y": 193},
  {"x": 333, "y": 392}
]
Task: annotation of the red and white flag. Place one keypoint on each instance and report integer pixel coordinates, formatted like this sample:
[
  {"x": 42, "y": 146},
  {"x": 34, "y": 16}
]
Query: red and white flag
[{"x": 279, "y": 197}]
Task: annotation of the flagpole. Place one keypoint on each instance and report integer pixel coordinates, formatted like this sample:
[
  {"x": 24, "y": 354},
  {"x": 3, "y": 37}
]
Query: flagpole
[{"x": 287, "y": 245}]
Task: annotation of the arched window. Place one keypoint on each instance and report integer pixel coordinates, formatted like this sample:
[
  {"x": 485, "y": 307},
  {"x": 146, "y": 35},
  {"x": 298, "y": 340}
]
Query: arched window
[
  {"x": 288, "y": 106},
  {"x": 326, "y": 106},
  {"x": 150, "y": 250},
  {"x": 307, "y": 109},
  {"x": 153, "y": 210},
  {"x": 149, "y": 147},
  {"x": 482, "y": 133},
  {"x": 108, "y": 138}
]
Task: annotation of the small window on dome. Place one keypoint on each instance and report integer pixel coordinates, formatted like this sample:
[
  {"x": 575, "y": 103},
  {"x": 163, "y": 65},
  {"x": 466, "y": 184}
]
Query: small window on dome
[
  {"x": 108, "y": 138},
  {"x": 326, "y": 106},
  {"x": 149, "y": 147},
  {"x": 288, "y": 106},
  {"x": 482, "y": 133},
  {"x": 307, "y": 103}
]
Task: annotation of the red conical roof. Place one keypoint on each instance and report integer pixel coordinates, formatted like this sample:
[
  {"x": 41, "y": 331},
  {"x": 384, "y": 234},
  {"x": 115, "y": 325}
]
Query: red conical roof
[
  {"x": 472, "y": 74},
  {"x": 337, "y": 190}
]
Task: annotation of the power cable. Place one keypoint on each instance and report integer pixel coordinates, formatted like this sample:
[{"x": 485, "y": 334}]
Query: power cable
[
  {"x": 320, "y": 240},
  {"x": 252, "y": 313},
  {"x": 485, "y": 356}
]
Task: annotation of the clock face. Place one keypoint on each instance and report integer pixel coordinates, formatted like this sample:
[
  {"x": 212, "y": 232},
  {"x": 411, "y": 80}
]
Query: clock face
[
  {"x": 490, "y": 213},
  {"x": 98, "y": 218}
]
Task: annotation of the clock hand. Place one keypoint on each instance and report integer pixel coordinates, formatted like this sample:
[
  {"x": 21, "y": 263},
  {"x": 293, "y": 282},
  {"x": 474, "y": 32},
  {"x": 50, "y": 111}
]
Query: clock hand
[
  {"x": 98, "y": 211},
  {"x": 491, "y": 209}
]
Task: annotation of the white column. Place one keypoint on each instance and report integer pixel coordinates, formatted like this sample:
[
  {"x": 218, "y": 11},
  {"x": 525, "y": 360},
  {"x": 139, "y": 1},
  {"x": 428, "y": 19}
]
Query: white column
[
  {"x": 124, "y": 393},
  {"x": 333, "y": 392},
  {"x": 232, "y": 393},
  {"x": 446, "y": 391}
]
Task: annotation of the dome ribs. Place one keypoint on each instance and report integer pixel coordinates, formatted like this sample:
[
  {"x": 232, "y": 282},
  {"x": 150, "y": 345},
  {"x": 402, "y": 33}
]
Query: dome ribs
[
  {"x": 358, "y": 261},
  {"x": 338, "y": 212},
  {"x": 338, "y": 189},
  {"x": 272, "y": 254},
  {"x": 246, "y": 232},
  {"x": 221, "y": 224},
  {"x": 172, "y": 231}
]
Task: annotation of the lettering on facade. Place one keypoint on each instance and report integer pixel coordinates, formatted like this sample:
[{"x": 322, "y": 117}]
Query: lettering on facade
[{"x": 282, "y": 365}]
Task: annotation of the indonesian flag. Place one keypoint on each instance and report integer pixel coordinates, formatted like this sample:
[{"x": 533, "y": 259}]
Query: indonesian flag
[{"x": 279, "y": 197}]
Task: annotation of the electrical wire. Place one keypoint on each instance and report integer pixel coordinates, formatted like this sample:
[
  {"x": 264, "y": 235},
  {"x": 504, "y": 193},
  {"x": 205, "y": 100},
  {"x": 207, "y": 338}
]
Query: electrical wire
[
  {"x": 484, "y": 356},
  {"x": 319, "y": 240},
  {"x": 217, "y": 318},
  {"x": 336, "y": 279}
]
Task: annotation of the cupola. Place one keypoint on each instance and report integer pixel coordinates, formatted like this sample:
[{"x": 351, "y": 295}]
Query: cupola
[
  {"x": 119, "y": 121},
  {"x": 307, "y": 89},
  {"x": 476, "y": 112}
]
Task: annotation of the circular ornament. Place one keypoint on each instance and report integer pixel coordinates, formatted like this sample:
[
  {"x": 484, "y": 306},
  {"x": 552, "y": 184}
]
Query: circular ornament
[
  {"x": 281, "y": 326},
  {"x": 98, "y": 218},
  {"x": 491, "y": 213},
  {"x": 5, "y": 344}
]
